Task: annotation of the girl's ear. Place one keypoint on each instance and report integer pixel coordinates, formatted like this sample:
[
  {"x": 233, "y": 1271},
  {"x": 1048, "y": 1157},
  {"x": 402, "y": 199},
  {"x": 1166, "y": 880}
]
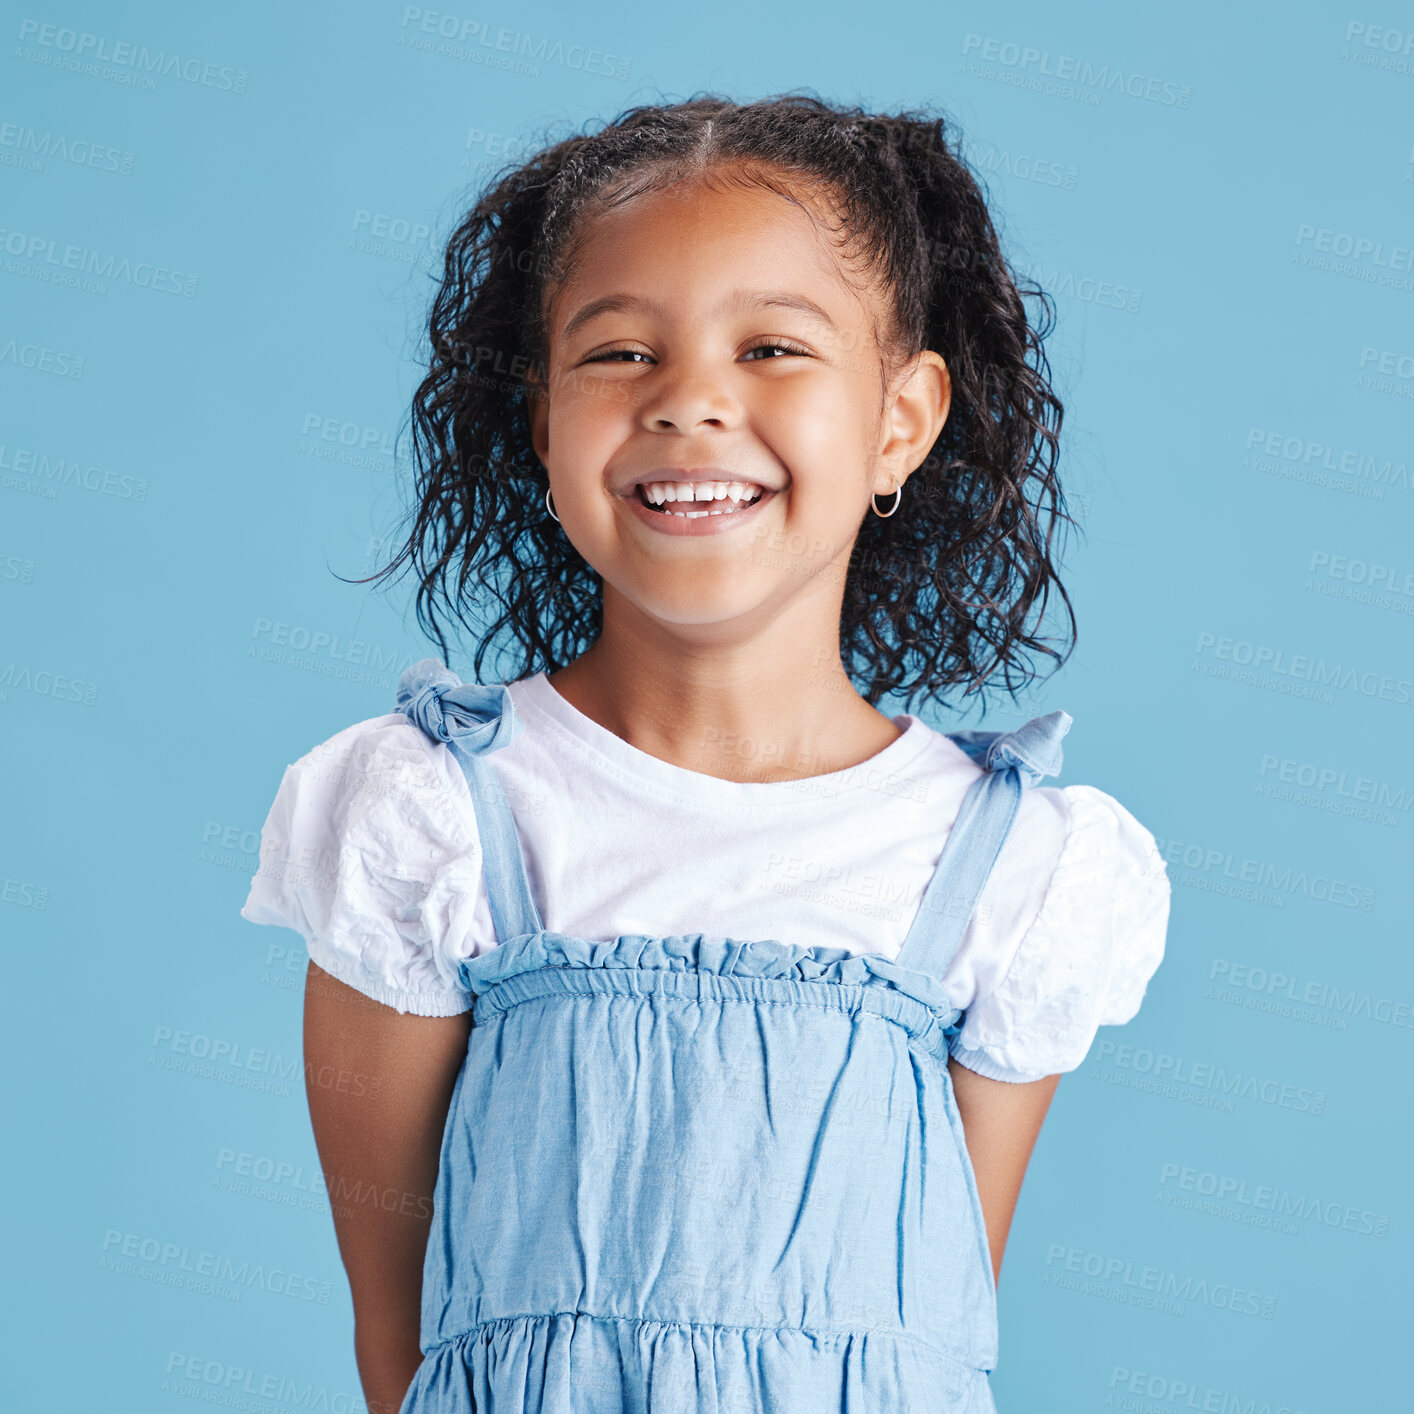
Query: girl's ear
[
  {"x": 913, "y": 418},
  {"x": 538, "y": 414}
]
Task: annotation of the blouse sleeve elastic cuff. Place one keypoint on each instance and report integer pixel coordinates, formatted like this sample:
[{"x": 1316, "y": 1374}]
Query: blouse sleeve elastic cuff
[
  {"x": 981, "y": 1063},
  {"x": 451, "y": 1002}
]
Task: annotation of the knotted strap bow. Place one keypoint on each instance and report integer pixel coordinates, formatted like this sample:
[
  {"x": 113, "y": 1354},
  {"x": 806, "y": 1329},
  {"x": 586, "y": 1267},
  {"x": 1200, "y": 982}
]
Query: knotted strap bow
[
  {"x": 476, "y": 717},
  {"x": 1011, "y": 762},
  {"x": 1033, "y": 749}
]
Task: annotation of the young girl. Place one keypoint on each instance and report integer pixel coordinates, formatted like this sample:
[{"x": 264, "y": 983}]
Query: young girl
[{"x": 679, "y": 1025}]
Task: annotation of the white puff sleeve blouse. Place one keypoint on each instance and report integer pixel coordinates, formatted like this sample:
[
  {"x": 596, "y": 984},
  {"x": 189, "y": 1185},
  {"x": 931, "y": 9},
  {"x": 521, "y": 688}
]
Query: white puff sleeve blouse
[
  {"x": 370, "y": 853},
  {"x": 1087, "y": 958}
]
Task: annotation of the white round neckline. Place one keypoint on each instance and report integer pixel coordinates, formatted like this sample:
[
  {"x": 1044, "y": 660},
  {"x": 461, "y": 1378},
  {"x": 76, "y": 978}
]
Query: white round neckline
[{"x": 538, "y": 694}]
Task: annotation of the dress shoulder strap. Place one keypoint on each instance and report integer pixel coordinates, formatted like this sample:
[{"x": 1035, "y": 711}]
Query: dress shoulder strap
[
  {"x": 473, "y": 720},
  {"x": 1010, "y": 762}
]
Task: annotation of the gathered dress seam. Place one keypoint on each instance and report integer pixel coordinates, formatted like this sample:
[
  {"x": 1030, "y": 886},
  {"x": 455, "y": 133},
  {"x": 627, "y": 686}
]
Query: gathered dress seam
[
  {"x": 602, "y": 995},
  {"x": 843, "y": 1331},
  {"x": 854, "y": 987}
]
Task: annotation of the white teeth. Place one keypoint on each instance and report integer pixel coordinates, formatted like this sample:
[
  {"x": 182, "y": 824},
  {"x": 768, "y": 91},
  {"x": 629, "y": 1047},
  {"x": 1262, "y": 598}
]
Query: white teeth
[{"x": 734, "y": 493}]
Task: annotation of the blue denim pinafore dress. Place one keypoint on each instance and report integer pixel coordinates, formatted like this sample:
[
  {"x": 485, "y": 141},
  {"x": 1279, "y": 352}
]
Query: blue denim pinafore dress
[{"x": 697, "y": 1175}]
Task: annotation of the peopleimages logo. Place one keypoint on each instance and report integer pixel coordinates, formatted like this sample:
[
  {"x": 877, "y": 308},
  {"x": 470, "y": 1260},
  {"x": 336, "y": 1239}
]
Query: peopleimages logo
[
  {"x": 1026, "y": 59},
  {"x": 1272, "y": 985},
  {"x": 44, "y": 683},
  {"x": 1379, "y": 47},
  {"x": 1269, "y": 1198},
  {"x": 1202, "y": 1076},
  {"x": 272, "y": 634},
  {"x": 1362, "y": 250},
  {"x": 1331, "y": 780},
  {"x": 1180, "y": 1394},
  {"x": 1129, "y": 1281},
  {"x": 221, "y": 1383},
  {"x": 457, "y": 37},
  {"x": 81, "y": 50},
  {"x": 175, "y": 1264},
  {"x": 1347, "y": 569},
  {"x": 1314, "y": 457},
  {"x": 1266, "y": 874},
  {"x": 69, "y": 471},
  {"x": 32, "y": 148},
  {"x": 43, "y": 254},
  {"x": 1264, "y": 663}
]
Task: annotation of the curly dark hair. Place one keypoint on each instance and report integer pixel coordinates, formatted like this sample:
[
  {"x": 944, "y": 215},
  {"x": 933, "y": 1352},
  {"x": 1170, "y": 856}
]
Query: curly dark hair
[{"x": 952, "y": 593}]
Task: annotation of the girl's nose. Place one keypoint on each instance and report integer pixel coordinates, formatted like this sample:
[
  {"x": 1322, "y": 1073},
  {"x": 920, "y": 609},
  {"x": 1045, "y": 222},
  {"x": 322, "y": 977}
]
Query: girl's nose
[{"x": 687, "y": 400}]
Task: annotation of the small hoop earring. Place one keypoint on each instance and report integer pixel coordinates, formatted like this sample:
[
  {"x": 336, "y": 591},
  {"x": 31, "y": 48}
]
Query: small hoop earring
[
  {"x": 898, "y": 496},
  {"x": 550, "y": 506}
]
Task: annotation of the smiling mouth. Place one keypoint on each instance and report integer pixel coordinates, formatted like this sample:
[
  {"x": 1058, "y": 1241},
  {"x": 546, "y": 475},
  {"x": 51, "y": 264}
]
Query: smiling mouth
[{"x": 692, "y": 500}]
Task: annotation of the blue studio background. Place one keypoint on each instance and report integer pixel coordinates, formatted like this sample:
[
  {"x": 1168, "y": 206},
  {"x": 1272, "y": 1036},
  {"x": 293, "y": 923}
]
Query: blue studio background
[{"x": 198, "y": 421}]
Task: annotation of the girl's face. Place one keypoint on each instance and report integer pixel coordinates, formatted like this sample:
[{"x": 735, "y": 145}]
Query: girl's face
[{"x": 708, "y": 346}]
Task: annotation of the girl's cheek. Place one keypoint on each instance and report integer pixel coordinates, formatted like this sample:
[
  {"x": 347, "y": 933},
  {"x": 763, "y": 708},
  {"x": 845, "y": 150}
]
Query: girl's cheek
[{"x": 597, "y": 390}]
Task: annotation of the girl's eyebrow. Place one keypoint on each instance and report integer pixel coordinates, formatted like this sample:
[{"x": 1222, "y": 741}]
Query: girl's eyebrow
[{"x": 735, "y": 302}]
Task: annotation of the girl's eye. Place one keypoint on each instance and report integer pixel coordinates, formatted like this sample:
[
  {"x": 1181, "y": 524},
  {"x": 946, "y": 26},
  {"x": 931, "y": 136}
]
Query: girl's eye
[
  {"x": 614, "y": 353},
  {"x": 783, "y": 345}
]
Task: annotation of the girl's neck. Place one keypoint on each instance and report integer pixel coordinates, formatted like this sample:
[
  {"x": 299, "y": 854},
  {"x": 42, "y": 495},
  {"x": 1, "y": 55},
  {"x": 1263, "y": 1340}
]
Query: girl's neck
[{"x": 738, "y": 711}]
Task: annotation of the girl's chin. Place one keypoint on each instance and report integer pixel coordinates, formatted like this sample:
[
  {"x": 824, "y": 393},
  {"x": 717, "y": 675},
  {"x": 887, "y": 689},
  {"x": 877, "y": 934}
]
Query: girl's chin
[{"x": 711, "y": 607}]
